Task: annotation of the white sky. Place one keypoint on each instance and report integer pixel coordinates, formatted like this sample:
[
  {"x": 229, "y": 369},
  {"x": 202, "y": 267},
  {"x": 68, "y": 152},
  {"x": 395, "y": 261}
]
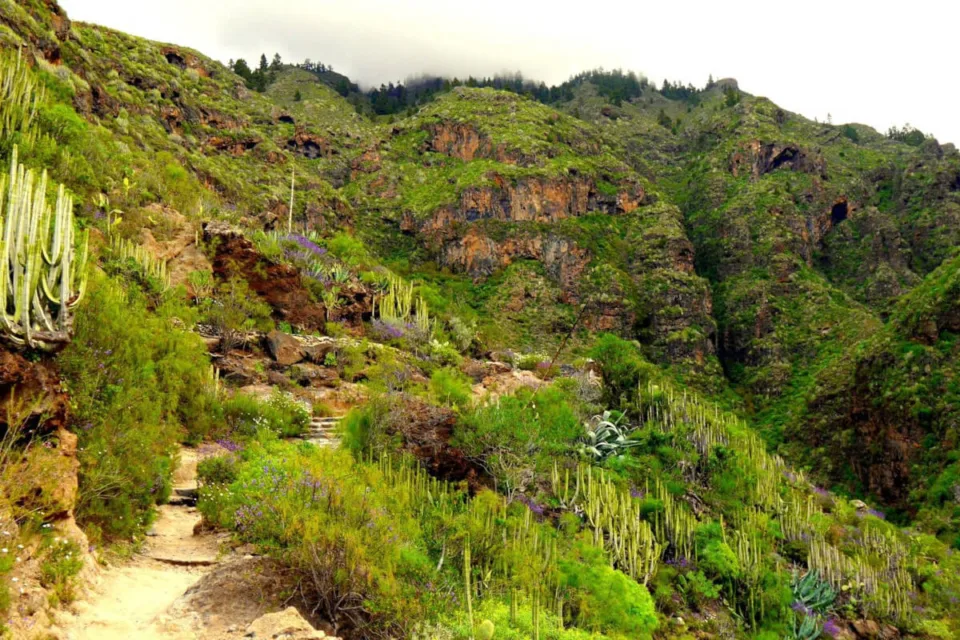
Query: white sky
[{"x": 875, "y": 62}]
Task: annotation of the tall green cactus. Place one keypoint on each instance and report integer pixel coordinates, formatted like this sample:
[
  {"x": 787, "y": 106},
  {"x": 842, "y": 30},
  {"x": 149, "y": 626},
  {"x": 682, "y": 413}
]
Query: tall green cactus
[
  {"x": 20, "y": 97},
  {"x": 43, "y": 272}
]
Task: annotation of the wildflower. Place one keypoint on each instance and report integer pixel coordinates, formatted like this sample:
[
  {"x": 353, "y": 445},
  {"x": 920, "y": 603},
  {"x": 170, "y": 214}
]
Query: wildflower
[
  {"x": 831, "y": 628},
  {"x": 4, "y": 550}
]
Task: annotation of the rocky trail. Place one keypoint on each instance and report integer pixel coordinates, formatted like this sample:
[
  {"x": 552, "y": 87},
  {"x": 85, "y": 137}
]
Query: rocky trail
[
  {"x": 131, "y": 600},
  {"x": 184, "y": 585}
]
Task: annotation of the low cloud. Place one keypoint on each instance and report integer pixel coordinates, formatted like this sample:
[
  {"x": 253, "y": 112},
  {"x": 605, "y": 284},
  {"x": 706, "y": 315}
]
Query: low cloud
[{"x": 857, "y": 62}]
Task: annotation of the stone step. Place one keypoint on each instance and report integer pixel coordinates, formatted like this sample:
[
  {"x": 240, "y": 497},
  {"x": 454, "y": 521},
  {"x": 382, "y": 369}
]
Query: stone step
[{"x": 322, "y": 431}]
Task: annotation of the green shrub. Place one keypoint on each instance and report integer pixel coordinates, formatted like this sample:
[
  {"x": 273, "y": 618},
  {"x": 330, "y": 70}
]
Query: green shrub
[
  {"x": 364, "y": 429},
  {"x": 62, "y": 561},
  {"x": 234, "y": 309},
  {"x": 697, "y": 588},
  {"x": 451, "y": 387},
  {"x": 715, "y": 557},
  {"x": 517, "y": 435},
  {"x": 622, "y": 368},
  {"x": 138, "y": 385},
  {"x": 245, "y": 415},
  {"x": 353, "y": 536},
  {"x": 349, "y": 249},
  {"x": 218, "y": 470},
  {"x": 604, "y": 599}
]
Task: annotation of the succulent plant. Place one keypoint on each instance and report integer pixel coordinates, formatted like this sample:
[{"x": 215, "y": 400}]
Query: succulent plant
[
  {"x": 805, "y": 628},
  {"x": 43, "y": 273},
  {"x": 812, "y": 592},
  {"x": 485, "y": 630},
  {"x": 605, "y": 437}
]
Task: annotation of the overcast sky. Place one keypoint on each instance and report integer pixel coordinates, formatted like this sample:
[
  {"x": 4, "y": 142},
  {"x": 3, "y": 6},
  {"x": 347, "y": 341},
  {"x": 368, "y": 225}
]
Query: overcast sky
[{"x": 876, "y": 62}]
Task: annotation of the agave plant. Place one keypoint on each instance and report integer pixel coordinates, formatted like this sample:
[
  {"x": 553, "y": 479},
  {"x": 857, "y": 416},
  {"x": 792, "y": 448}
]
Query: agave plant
[
  {"x": 605, "y": 437},
  {"x": 811, "y": 592},
  {"x": 805, "y": 628}
]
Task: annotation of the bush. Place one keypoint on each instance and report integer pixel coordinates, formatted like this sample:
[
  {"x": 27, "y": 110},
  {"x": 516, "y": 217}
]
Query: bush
[
  {"x": 451, "y": 387},
  {"x": 516, "y": 436},
  {"x": 61, "y": 563},
  {"x": 218, "y": 470},
  {"x": 604, "y": 599},
  {"x": 234, "y": 310},
  {"x": 622, "y": 367},
  {"x": 364, "y": 429},
  {"x": 245, "y": 415},
  {"x": 138, "y": 385},
  {"x": 353, "y": 535},
  {"x": 715, "y": 557}
]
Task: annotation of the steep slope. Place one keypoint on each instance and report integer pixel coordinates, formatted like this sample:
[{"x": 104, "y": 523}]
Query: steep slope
[
  {"x": 482, "y": 179},
  {"x": 884, "y": 416}
]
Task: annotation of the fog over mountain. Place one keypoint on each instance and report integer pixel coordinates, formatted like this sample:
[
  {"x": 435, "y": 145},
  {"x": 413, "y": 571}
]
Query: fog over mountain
[{"x": 857, "y": 62}]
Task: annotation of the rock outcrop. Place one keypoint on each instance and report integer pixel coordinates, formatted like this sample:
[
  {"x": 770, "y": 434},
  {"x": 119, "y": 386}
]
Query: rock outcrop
[
  {"x": 757, "y": 158},
  {"x": 284, "y": 625},
  {"x": 279, "y": 285}
]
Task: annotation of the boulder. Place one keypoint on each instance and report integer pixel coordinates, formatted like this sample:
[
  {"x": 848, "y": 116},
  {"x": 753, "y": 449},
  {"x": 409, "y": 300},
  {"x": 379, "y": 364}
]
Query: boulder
[
  {"x": 284, "y": 625},
  {"x": 866, "y": 629},
  {"x": 317, "y": 353},
  {"x": 312, "y": 375},
  {"x": 284, "y": 348}
]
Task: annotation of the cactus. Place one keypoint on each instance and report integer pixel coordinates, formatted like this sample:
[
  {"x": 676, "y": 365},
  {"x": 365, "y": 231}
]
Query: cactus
[
  {"x": 152, "y": 267},
  {"x": 44, "y": 263},
  {"x": 485, "y": 630},
  {"x": 20, "y": 96},
  {"x": 399, "y": 305}
]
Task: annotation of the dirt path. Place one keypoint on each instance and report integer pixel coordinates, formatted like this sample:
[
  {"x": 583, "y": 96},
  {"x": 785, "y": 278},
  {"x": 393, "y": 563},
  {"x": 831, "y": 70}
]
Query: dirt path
[{"x": 132, "y": 600}]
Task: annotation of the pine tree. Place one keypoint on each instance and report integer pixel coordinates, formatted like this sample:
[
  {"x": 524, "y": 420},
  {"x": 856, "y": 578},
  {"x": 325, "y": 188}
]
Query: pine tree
[
  {"x": 277, "y": 63},
  {"x": 263, "y": 63},
  {"x": 242, "y": 69}
]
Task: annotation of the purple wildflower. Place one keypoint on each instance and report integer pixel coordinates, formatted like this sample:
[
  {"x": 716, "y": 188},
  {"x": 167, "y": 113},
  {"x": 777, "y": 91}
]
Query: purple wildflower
[
  {"x": 386, "y": 330},
  {"x": 801, "y": 608},
  {"x": 635, "y": 493},
  {"x": 531, "y": 504},
  {"x": 831, "y": 628},
  {"x": 306, "y": 244},
  {"x": 229, "y": 445}
]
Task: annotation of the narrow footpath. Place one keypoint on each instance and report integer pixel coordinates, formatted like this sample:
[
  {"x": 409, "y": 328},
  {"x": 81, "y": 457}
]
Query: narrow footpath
[{"x": 132, "y": 600}]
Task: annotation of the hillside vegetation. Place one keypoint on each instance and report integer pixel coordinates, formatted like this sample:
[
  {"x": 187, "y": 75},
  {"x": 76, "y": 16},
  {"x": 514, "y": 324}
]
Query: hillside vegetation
[{"x": 610, "y": 361}]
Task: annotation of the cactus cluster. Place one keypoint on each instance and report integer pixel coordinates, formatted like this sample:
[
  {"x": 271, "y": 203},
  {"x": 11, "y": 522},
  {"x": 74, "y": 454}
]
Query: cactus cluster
[
  {"x": 398, "y": 304},
  {"x": 43, "y": 273},
  {"x": 618, "y": 526},
  {"x": 20, "y": 97},
  {"x": 871, "y": 567},
  {"x": 152, "y": 267}
]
